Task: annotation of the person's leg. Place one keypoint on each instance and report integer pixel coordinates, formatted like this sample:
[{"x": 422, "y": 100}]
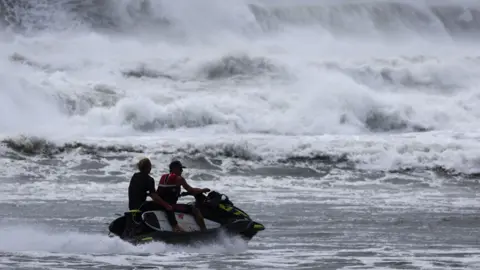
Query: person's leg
[
  {"x": 152, "y": 206},
  {"x": 199, "y": 219},
  {"x": 149, "y": 206},
  {"x": 198, "y": 216},
  {"x": 189, "y": 209},
  {"x": 172, "y": 220}
]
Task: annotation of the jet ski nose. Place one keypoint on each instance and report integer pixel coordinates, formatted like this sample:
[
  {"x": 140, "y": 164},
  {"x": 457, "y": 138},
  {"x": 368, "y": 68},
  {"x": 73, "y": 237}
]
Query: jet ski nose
[{"x": 258, "y": 227}]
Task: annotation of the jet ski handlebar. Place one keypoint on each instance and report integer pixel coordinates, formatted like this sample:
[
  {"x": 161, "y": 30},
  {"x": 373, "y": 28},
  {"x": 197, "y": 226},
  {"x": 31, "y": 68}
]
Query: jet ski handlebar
[
  {"x": 183, "y": 194},
  {"x": 186, "y": 193}
]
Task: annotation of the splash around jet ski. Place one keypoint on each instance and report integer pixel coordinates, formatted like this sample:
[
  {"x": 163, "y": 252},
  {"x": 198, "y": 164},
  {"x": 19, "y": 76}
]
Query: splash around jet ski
[{"x": 221, "y": 216}]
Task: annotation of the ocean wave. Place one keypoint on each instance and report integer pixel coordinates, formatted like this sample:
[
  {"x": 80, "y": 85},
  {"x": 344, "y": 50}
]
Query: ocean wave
[
  {"x": 264, "y": 88},
  {"x": 244, "y": 156},
  {"x": 365, "y": 18},
  {"x": 199, "y": 74}
]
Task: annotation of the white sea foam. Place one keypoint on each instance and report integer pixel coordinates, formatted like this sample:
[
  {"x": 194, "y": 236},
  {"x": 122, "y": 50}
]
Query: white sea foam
[
  {"x": 311, "y": 84},
  {"x": 391, "y": 85}
]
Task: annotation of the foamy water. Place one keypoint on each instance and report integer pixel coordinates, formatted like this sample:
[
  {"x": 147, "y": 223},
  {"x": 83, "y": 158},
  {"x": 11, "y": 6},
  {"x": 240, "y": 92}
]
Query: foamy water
[{"x": 348, "y": 128}]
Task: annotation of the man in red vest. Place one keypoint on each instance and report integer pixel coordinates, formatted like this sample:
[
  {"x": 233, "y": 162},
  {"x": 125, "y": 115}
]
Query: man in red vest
[{"x": 169, "y": 190}]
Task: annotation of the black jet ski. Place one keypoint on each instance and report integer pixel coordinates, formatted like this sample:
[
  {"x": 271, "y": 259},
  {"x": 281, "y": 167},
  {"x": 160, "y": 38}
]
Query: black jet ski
[{"x": 221, "y": 217}]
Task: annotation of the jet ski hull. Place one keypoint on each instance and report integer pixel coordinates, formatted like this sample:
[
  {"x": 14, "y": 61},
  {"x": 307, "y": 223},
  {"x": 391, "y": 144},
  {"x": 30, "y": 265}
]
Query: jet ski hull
[
  {"x": 139, "y": 227},
  {"x": 244, "y": 228}
]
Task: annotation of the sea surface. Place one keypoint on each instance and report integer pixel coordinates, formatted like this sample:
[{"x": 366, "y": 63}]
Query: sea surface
[{"x": 350, "y": 129}]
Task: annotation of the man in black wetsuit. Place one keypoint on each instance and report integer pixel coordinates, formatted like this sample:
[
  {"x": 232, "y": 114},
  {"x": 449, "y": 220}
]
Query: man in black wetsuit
[{"x": 143, "y": 185}]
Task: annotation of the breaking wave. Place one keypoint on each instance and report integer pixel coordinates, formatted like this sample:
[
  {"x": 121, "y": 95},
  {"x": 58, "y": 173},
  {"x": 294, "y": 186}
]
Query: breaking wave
[
  {"x": 364, "y": 83},
  {"x": 242, "y": 156},
  {"x": 365, "y": 18}
]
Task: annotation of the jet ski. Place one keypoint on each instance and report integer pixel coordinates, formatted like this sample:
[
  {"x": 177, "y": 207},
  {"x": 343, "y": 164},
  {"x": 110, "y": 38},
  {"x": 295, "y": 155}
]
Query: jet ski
[{"x": 220, "y": 214}]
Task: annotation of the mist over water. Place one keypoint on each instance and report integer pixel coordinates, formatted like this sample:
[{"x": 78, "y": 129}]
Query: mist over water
[
  {"x": 355, "y": 105},
  {"x": 158, "y": 68}
]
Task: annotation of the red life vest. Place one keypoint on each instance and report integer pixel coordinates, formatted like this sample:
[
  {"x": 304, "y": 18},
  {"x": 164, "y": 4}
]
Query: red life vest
[{"x": 168, "y": 192}]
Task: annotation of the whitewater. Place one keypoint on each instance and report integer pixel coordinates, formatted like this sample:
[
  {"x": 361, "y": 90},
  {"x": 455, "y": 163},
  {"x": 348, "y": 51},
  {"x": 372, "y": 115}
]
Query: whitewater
[{"x": 350, "y": 129}]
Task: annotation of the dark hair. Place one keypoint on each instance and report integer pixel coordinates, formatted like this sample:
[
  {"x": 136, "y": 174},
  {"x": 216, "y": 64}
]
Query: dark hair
[
  {"x": 143, "y": 164},
  {"x": 175, "y": 164}
]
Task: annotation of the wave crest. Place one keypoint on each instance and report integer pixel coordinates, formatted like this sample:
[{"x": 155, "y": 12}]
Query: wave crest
[
  {"x": 447, "y": 18},
  {"x": 244, "y": 156}
]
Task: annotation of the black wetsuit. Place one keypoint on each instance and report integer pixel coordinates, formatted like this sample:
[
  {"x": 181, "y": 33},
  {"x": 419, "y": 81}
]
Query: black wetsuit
[{"x": 140, "y": 186}]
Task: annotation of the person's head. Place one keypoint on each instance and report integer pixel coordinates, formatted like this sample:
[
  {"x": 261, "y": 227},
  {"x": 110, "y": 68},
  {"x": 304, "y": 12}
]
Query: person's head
[
  {"x": 144, "y": 165},
  {"x": 176, "y": 167}
]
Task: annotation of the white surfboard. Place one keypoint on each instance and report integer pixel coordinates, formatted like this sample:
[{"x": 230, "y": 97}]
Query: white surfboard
[{"x": 186, "y": 221}]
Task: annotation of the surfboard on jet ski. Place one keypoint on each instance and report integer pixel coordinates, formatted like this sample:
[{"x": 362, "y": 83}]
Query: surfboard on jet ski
[{"x": 220, "y": 214}]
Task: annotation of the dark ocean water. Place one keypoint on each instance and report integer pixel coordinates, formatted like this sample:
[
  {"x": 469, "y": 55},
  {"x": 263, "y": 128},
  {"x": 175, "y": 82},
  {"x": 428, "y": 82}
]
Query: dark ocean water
[{"x": 348, "y": 128}]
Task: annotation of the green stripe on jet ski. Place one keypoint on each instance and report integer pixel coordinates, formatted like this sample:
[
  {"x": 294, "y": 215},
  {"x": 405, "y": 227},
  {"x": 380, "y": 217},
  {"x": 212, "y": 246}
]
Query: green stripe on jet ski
[{"x": 258, "y": 227}]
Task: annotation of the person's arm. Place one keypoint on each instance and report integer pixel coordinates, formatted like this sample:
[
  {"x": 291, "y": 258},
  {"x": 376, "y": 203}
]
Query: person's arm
[
  {"x": 160, "y": 201},
  {"x": 190, "y": 189}
]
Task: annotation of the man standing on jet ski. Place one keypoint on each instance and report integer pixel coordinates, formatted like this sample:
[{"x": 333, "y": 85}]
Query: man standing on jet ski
[{"x": 169, "y": 189}]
